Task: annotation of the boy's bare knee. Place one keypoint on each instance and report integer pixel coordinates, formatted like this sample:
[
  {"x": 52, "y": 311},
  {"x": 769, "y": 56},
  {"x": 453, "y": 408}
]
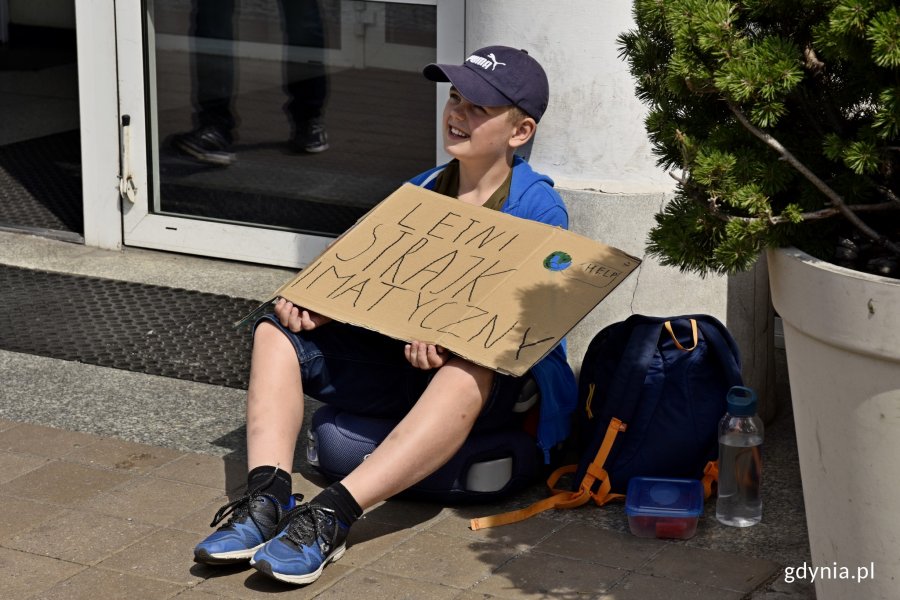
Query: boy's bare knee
[
  {"x": 482, "y": 376},
  {"x": 269, "y": 338},
  {"x": 267, "y": 334}
]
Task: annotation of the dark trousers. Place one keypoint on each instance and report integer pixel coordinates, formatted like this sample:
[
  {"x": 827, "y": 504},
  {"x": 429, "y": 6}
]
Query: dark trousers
[{"x": 305, "y": 84}]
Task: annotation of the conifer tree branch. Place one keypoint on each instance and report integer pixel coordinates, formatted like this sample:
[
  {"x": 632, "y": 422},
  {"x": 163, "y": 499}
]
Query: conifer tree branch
[
  {"x": 835, "y": 199},
  {"x": 814, "y": 215}
]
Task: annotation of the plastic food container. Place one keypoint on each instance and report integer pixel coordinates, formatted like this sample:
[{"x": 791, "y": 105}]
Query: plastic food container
[{"x": 663, "y": 508}]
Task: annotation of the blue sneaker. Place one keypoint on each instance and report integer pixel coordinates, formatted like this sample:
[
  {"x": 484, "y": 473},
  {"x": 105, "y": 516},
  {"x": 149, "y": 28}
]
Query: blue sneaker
[
  {"x": 254, "y": 521},
  {"x": 312, "y": 538}
]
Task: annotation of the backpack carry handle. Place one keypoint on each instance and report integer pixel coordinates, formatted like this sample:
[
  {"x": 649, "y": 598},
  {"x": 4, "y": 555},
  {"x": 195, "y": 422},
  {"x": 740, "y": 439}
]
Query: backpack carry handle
[{"x": 668, "y": 326}]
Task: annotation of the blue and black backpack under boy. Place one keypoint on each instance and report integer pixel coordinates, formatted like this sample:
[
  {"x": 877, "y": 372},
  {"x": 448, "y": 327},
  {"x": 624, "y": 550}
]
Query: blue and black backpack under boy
[
  {"x": 490, "y": 465},
  {"x": 651, "y": 393}
]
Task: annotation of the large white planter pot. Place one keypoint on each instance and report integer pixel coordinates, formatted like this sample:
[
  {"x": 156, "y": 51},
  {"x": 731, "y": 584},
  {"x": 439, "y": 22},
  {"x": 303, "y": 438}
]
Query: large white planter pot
[{"x": 842, "y": 336}]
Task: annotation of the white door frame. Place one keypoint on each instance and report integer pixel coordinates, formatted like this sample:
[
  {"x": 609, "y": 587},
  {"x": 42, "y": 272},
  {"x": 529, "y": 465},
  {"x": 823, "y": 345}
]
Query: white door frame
[
  {"x": 98, "y": 96},
  {"x": 112, "y": 85}
]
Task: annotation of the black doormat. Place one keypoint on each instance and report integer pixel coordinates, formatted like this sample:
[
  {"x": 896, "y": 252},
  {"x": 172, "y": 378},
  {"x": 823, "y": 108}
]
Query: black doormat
[
  {"x": 149, "y": 329},
  {"x": 40, "y": 183}
]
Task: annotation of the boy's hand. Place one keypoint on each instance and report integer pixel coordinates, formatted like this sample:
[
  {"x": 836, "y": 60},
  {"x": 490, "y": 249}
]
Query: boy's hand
[
  {"x": 297, "y": 318},
  {"x": 426, "y": 356}
]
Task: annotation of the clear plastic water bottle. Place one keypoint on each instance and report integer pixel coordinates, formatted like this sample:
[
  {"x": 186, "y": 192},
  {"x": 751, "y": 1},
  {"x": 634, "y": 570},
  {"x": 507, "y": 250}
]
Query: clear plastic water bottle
[{"x": 740, "y": 461}]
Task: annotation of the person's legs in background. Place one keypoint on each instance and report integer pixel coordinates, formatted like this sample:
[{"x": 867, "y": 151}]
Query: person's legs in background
[
  {"x": 213, "y": 84},
  {"x": 305, "y": 81}
]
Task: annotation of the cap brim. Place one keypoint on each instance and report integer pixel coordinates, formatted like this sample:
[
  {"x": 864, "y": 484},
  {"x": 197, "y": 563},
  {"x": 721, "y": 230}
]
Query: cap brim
[{"x": 471, "y": 85}]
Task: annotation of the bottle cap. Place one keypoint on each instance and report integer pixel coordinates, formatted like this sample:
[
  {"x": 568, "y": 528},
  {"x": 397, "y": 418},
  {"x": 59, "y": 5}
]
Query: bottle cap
[{"x": 741, "y": 401}]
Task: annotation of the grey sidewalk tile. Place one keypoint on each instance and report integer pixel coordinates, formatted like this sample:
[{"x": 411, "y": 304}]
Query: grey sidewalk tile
[
  {"x": 165, "y": 554},
  {"x": 309, "y": 488},
  {"x": 370, "y": 540},
  {"x": 20, "y": 514},
  {"x": 122, "y": 455},
  {"x": 95, "y": 584},
  {"x": 444, "y": 559},
  {"x": 364, "y": 584},
  {"x": 710, "y": 568},
  {"x": 154, "y": 501},
  {"x": 414, "y": 515},
  {"x": 545, "y": 577},
  {"x": 78, "y": 537},
  {"x": 23, "y": 575},
  {"x": 223, "y": 474},
  {"x": 644, "y": 587},
  {"x": 197, "y": 521},
  {"x": 779, "y": 589},
  {"x": 610, "y": 548},
  {"x": 44, "y": 441},
  {"x": 63, "y": 483},
  {"x": 245, "y": 582},
  {"x": 14, "y": 464},
  {"x": 522, "y": 535},
  {"x": 195, "y": 594}
]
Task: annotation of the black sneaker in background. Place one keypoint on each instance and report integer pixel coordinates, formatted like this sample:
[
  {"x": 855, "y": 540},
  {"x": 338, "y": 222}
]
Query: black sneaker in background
[
  {"x": 310, "y": 136},
  {"x": 206, "y": 144}
]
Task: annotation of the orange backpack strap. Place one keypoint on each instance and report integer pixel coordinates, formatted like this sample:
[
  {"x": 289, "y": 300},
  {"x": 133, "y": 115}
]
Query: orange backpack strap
[
  {"x": 668, "y": 326},
  {"x": 710, "y": 477},
  {"x": 562, "y": 498}
]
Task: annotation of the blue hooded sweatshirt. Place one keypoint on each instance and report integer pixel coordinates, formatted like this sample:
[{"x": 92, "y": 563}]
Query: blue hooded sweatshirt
[{"x": 531, "y": 196}]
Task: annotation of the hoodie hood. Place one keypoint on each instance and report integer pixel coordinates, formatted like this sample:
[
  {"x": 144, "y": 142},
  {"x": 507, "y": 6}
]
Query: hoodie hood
[{"x": 524, "y": 177}]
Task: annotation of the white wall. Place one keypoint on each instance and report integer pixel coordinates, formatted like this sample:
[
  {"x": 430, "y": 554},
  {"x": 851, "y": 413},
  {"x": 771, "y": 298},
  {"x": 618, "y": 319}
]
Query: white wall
[{"x": 592, "y": 136}]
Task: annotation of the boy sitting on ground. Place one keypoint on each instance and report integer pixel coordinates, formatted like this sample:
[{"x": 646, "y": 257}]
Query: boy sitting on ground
[{"x": 496, "y": 100}]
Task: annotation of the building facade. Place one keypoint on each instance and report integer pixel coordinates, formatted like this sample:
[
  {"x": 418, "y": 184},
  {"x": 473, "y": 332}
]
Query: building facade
[{"x": 269, "y": 74}]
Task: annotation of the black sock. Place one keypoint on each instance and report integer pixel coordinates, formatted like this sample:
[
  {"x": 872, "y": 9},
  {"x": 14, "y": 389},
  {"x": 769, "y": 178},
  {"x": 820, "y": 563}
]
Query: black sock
[
  {"x": 337, "y": 498},
  {"x": 280, "y": 485}
]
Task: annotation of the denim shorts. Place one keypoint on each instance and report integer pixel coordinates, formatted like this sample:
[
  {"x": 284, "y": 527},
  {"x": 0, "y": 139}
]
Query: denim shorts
[{"x": 365, "y": 372}]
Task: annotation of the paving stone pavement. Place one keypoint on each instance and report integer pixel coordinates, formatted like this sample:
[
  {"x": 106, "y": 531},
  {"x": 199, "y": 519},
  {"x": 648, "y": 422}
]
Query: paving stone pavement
[
  {"x": 108, "y": 479},
  {"x": 90, "y": 516}
]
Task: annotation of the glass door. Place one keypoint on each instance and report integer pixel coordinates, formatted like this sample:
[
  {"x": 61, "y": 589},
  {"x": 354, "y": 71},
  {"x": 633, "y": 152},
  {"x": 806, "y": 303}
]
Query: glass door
[{"x": 259, "y": 130}]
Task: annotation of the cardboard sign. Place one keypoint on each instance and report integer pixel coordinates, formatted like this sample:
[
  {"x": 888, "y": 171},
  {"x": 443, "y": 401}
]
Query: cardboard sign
[{"x": 495, "y": 289}]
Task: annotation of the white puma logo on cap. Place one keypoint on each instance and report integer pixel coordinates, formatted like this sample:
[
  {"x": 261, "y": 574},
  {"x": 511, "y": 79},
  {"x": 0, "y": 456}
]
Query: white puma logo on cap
[
  {"x": 485, "y": 63},
  {"x": 495, "y": 61}
]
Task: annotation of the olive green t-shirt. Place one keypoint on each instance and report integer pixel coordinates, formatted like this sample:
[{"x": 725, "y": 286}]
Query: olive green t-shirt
[{"x": 447, "y": 183}]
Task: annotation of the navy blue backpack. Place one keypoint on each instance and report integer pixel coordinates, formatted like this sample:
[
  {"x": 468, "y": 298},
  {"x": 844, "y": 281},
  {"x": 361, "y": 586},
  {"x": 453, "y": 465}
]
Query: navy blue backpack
[
  {"x": 651, "y": 393},
  {"x": 490, "y": 465}
]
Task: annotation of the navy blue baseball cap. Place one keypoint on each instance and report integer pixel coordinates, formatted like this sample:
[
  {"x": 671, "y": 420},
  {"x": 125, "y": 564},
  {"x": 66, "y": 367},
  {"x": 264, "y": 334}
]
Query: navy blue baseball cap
[{"x": 498, "y": 76}]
